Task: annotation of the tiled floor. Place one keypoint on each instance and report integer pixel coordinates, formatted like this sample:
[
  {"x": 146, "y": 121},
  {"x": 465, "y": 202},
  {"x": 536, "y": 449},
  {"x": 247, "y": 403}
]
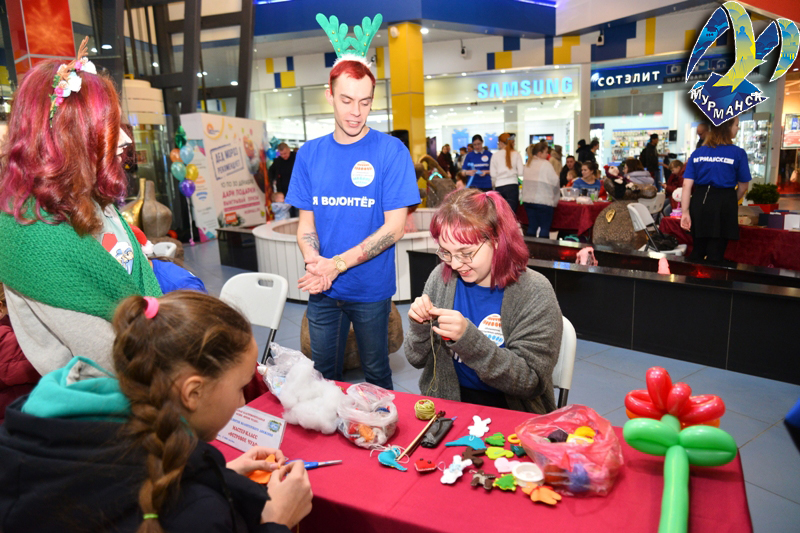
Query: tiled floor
[{"x": 603, "y": 375}]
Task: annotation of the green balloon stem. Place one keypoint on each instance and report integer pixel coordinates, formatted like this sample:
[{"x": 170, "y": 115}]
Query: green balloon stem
[
  {"x": 675, "y": 499},
  {"x": 672, "y": 422}
]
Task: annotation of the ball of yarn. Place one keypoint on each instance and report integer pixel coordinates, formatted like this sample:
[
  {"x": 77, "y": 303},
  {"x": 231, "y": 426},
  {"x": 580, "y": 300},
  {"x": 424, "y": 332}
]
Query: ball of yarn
[{"x": 424, "y": 409}]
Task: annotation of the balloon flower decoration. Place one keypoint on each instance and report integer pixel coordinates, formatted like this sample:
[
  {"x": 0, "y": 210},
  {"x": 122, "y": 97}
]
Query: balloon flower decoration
[
  {"x": 183, "y": 171},
  {"x": 668, "y": 421}
]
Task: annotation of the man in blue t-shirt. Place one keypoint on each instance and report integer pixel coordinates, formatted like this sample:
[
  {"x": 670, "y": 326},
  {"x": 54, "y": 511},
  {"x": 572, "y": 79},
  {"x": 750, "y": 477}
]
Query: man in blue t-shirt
[
  {"x": 353, "y": 189},
  {"x": 476, "y": 165}
]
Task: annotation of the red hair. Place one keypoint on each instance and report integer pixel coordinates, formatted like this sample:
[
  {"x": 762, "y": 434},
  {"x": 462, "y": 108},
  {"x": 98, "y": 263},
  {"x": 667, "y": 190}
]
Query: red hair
[
  {"x": 352, "y": 68},
  {"x": 65, "y": 165},
  {"x": 470, "y": 216}
]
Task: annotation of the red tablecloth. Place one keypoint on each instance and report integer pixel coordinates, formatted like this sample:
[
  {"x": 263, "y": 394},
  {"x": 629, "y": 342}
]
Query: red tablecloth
[
  {"x": 362, "y": 495},
  {"x": 765, "y": 247},
  {"x": 570, "y": 216}
]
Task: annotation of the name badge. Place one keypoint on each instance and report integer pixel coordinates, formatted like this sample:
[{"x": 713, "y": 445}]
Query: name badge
[{"x": 250, "y": 427}]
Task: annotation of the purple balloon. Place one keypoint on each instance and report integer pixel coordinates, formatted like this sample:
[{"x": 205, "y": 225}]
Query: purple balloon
[{"x": 187, "y": 188}]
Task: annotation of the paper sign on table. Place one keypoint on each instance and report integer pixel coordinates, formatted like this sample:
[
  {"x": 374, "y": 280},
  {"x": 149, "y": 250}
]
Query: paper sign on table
[{"x": 250, "y": 427}]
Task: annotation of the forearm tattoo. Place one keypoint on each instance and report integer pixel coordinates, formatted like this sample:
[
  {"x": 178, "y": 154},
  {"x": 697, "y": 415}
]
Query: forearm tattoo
[
  {"x": 311, "y": 239},
  {"x": 370, "y": 248}
]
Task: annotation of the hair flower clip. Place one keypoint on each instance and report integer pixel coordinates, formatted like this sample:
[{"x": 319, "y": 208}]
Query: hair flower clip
[{"x": 67, "y": 81}]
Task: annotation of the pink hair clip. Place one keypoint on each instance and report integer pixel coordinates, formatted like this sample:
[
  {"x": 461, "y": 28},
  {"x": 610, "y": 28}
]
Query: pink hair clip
[{"x": 152, "y": 307}]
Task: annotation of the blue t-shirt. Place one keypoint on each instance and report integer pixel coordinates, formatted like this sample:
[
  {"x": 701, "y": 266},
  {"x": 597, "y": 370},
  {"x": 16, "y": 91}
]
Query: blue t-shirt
[
  {"x": 722, "y": 167},
  {"x": 580, "y": 184},
  {"x": 479, "y": 161},
  {"x": 481, "y": 306},
  {"x": 171, "y": 277},
  {"x": 349, "y": 187}
]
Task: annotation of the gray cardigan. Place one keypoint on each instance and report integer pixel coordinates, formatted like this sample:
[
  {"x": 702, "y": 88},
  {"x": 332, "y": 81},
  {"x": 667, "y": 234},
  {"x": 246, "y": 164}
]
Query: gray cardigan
[{"x": 523, "y": 369}]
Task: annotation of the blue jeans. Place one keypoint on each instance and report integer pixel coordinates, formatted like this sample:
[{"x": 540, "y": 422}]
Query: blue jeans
[
  {"x": 539, "y": 217},
  {"x": 328, "y": 326}
]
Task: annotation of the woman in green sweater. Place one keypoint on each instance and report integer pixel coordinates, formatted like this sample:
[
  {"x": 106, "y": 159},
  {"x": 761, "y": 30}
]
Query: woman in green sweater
[
  {"x": 487, "y": 330},
  {"x": 68, "y": 257}
]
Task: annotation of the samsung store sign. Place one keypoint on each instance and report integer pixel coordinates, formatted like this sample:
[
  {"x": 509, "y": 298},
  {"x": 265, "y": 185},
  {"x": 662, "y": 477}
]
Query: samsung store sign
[
  {"x": 537, "y": 83},
  {"x": 551, "y": 86}
]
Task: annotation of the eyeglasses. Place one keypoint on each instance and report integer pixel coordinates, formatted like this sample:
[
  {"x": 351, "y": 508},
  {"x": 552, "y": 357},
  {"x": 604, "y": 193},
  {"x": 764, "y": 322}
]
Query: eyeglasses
[{"x": 465, "y": 259}]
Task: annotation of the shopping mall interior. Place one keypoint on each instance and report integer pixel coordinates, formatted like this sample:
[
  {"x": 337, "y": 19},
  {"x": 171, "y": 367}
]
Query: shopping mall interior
[{"x": 238, "y": 83}]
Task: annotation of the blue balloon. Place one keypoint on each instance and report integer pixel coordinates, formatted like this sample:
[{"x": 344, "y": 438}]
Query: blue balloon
[
  {"x": 272, "y": 153},
  {"x": 187, "y": 188},
  {"x": 187, "y": 154},
  {"x": 178, "y": 170}
]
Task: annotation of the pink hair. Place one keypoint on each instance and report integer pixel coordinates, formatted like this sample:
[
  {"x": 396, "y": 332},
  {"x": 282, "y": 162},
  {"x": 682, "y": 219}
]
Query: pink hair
[
  {"x": 354, "y": 69},
  {"x": 65, "y": 165},
  {"x": 470, "y": 216}
]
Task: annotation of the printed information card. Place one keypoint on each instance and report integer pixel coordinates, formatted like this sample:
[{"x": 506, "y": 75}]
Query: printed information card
[{"x": 250, "y": 427}]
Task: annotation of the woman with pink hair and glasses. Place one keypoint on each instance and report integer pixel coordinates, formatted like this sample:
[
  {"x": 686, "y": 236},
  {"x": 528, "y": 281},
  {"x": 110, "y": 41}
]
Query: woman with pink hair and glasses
[{"x": 487, "y": 330}]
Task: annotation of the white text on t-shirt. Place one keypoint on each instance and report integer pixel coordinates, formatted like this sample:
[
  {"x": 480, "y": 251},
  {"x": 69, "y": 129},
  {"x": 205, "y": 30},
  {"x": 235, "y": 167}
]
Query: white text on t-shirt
[{"x": 350, "y": 201}]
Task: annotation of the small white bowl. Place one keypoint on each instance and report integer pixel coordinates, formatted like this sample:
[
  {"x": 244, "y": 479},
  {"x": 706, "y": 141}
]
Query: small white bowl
[{"x": 527, "y": 472}]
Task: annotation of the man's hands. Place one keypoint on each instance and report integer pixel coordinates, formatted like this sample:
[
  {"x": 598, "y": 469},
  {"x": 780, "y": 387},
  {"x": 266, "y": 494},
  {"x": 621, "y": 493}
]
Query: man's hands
[
  {"x": 290, "y": 495},
  {"x": 255, "y": 459},
  {"x": 320, "y": 274},
  {"x": 452, "y": 324}
]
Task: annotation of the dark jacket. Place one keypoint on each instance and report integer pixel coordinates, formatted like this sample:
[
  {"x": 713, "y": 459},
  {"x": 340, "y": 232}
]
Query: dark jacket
[
  {"x": 650, "y": 159},
  {"x": 586, "y": 154},
  {"x": 280, "y": 172},
  {"x": 562, "y": 178},
  {"x": 69, "y": 475},
  {"x": 446, "y": 162}
]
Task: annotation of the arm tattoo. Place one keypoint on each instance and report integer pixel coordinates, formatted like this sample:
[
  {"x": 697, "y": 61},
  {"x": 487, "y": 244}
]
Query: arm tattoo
[
  {"x": 372, "y": 249},
  {"x": 311, "y": 239}
]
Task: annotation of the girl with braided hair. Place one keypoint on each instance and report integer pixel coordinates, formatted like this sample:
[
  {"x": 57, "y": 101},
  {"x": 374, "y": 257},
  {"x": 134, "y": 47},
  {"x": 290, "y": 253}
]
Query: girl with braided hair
[{"x": 88, "y": 451}]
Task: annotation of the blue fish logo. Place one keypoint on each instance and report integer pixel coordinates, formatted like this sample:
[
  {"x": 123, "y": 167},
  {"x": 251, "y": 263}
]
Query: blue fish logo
[{"x": 722, "y": 98}]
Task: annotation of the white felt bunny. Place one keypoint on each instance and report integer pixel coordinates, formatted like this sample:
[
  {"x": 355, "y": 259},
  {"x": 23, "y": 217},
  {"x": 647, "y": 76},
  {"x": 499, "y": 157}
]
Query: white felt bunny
[
  {"x": 455, "y": 470},
  {"x": 479, "y": 428}
]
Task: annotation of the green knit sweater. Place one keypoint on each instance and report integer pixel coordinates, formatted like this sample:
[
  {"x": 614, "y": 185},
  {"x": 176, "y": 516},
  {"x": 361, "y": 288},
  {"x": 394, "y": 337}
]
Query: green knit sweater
[{"x": 52, "y": 264}]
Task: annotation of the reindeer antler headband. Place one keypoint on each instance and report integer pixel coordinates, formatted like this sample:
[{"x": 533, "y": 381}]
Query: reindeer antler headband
[{"x": 350, "y": 48}]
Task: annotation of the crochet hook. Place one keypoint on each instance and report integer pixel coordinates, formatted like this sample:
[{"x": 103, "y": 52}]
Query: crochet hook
[{"x": 416, "y": 441}]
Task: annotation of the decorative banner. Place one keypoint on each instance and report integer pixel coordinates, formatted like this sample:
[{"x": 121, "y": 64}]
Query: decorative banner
[{"x": 229, "y": 170}]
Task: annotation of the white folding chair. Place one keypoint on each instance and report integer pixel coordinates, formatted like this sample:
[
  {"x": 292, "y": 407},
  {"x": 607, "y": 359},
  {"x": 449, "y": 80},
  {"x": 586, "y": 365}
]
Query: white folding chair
[
  {"x": 655, "y": 204},
  {"x": 642, "y": 221},
  {"x": 165, "y": 249},
  {"x": 562, "y": 373},
  {"x": 260, "y": 297}
]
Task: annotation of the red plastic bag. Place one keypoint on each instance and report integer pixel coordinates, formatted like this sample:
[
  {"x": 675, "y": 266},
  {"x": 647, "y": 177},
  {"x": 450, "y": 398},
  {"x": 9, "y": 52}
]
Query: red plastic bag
[{"x": 572, "y": 467}]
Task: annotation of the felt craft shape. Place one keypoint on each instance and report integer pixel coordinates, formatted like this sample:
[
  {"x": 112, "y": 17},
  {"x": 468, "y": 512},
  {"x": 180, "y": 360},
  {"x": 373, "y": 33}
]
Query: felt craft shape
[
  {"x": 519, "y": 451},
  {"x": 498, "y": 439},
  {"x": 455, "y": 470},
  {"x": 424, "y": 465},
  {"x": 504, "y": 466},
  {"x": 493, "y": 452},
  {"x": 542, "y": 493},
  {"x": 389, "y": 458},
  {"x": 482, "y": 479},
  {"x": 262, "y": 476},
  {"x": 474, "y": 456},
  {"x": 437, "y": 432},
  {"x": 479, "y": 428},
  {"x": 507, "y": 482},
  {"x": 473, "y": 442}
]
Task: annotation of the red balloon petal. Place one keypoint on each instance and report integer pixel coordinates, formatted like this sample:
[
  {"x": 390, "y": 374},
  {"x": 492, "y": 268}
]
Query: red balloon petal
[
  {"x": 638, "y": 402},
  {"x": 703, "y": 408},
  {"x": 658, "y": 385},
  {"x": 678, "y": 399}
]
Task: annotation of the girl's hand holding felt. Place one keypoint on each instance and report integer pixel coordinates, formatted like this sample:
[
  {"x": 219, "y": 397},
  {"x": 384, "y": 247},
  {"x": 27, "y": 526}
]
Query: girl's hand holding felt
[
  {"x": 255, "y": 459},
  {"x": 420, "y": 309},
  {"x": 452, "y": 324},
  {"x": 290, "y": 495}
]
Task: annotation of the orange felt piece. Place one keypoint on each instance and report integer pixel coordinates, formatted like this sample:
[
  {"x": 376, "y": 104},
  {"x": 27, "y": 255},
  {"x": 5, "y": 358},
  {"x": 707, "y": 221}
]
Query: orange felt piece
[
  {"x": 542, "y": 493},
  {"x": 262, "y": 476}
]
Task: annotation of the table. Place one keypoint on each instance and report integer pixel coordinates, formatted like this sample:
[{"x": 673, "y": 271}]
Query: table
[
  {"x": 571, "y": 216},
  {"x": 767, "y": 247},
  {"x": 362, "y": 495}
]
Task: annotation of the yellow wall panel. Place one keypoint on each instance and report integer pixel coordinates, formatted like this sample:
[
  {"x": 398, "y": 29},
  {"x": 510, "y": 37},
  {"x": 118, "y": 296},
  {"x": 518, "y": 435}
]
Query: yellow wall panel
[
  {"x": 650, "y": 36},
  {"x": 270, "y": 65},
  {"x": 502, "y": 60},
  {"x": 287, "y": 79},
  {"x": 562, "y": 55}
]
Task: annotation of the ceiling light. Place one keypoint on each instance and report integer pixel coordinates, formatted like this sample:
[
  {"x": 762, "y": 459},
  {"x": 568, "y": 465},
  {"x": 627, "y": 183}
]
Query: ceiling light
[
  {"x": 428, "y": 77},
  {"x": 326, "y": 85},
  {"x": 503, "y": 71},
  {"x": 205, "y": 73},
  {"x": 469, "y": 108},
  {"x": 424, "y": 31},
  {"x": 106, "y": 47},
  {"x": 290, "y": 95},
  {"x": 451, "y": 109},
  {"x": 274, "y": 90},
  {"x": 234, "y": 83},
  {"x": 463, "y": 73},
  {"x": 199, "y": 74},
  {"x": 94, "y": 51},
  {"x": 155, "y": 64},
  {"x": 558, "y": 66},
  {"x": 659, "y": 86}
]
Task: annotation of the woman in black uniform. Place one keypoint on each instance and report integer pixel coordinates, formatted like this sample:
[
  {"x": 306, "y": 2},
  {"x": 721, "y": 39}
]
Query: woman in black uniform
[{"x": 712, "y": 174}]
